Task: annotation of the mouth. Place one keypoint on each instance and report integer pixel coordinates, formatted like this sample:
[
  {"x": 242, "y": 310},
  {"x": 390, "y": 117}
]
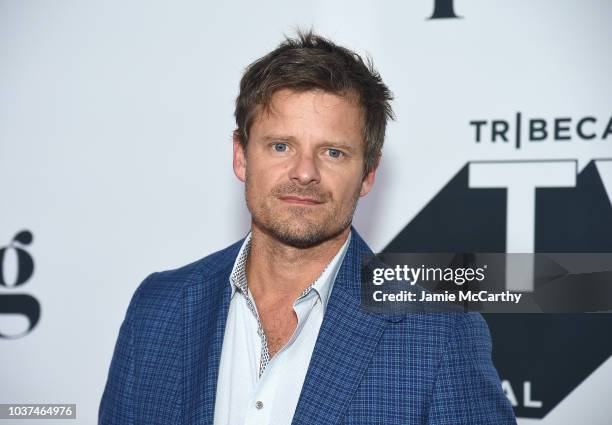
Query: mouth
[{"x": 300, "y": 200}]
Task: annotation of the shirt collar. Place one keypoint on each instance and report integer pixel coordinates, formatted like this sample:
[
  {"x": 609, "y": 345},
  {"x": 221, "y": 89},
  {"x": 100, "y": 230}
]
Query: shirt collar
[
  {"x": 238, "y": 275},
  {"x": 322, "y": 285}
]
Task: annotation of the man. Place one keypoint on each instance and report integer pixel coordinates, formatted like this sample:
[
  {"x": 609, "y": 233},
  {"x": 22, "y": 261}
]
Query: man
[{"x": 270, "y": 329}]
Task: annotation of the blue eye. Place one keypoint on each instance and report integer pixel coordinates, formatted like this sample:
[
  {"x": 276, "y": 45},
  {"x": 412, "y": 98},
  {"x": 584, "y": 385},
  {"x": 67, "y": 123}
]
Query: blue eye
[
  {"x": 335, "y": 153},
  {"x": 280, "y": 147}
]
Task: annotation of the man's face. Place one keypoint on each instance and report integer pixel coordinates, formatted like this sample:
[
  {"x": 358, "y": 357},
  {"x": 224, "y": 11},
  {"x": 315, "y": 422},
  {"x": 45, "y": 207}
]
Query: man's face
[{"x": 303, "y": 167}]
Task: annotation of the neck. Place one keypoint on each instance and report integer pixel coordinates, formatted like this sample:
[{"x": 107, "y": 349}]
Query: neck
[{"x": 280, "y": 272}]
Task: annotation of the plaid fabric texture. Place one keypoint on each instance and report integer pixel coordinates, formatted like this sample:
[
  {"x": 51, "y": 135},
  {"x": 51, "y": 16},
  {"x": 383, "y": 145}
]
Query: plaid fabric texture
[{"x": 429, "y": 368}]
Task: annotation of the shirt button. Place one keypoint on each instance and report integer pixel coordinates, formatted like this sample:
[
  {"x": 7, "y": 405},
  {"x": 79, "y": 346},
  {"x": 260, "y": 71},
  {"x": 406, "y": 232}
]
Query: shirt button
[{"x": 259, "y": 405}]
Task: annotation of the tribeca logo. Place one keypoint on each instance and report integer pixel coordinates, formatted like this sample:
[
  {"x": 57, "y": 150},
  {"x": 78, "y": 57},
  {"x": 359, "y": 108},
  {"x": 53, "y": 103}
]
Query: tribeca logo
[
  {"x": 444, "y": 9},
  {"x": 21, "y": 304},
  {"x": 538, "y": 130}
]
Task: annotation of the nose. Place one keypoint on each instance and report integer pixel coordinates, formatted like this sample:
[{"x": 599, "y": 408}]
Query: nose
[{"x": 304, "y": 170}]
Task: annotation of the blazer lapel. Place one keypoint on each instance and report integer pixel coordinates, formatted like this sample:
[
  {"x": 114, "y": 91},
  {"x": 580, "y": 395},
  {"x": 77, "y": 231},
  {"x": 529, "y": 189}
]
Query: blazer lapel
[
  {"x": 347, "y": 340},
  {"x": 205, "y": 310}
]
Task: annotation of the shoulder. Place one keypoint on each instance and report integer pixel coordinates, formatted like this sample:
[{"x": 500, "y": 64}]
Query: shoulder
[
  {"x": 470, "y": 336},
  {"x": 162, "y": 290},
  {"x": 193, "y": 272},
  {"x": 445, "y": 331}
]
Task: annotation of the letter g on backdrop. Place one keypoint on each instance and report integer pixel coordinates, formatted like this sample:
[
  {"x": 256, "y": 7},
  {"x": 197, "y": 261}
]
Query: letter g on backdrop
[{"x": 21, "y": 304}]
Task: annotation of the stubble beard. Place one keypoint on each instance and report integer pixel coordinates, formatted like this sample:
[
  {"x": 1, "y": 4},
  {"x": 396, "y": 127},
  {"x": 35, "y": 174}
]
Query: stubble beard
[{"x": 297, "y": 229}]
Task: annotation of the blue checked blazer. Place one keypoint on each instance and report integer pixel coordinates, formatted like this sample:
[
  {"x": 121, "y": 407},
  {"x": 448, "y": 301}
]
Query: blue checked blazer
[{"x": 366, "y": 368}]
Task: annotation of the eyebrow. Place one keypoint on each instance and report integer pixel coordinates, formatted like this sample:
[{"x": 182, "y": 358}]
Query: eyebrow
[
  {"x": 274, "y": 138},
  {"x": 281, "y": 138}
]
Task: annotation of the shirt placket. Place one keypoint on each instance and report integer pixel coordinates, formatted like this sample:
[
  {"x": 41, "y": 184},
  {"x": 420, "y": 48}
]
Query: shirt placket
[
  {"x": 261, "y": 404},
  {"x": 265, "y": 354}
]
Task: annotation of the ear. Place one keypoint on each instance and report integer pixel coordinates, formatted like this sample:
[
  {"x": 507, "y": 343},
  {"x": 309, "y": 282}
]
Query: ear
[
  {"x": 368, "y": 180},
  {"x": 239, "y": 158}
]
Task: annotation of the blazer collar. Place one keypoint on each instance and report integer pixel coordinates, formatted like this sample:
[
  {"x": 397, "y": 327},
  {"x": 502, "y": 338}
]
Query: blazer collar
[{"x": 347, "y": 340}]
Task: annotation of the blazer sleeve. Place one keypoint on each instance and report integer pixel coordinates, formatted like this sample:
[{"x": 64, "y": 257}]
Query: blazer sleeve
[
  {"x": 117, "y": 404},
  {"x": 467, "y": 388}
]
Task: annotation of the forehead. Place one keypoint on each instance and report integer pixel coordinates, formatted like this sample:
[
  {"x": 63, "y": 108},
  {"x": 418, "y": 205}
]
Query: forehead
[{"x": 312, "y": 113}]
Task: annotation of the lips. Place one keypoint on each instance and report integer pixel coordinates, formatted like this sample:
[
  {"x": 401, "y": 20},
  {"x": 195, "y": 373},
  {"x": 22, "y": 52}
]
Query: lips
[{"x": 300, "y": 200}]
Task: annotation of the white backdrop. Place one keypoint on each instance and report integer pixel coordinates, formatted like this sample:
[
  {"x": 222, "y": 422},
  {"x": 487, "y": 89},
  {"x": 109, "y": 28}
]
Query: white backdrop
[{"x": 115, "y": 147}]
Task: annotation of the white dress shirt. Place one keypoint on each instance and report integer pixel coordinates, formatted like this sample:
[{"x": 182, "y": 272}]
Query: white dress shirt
[{"x": 253, "y": 389}]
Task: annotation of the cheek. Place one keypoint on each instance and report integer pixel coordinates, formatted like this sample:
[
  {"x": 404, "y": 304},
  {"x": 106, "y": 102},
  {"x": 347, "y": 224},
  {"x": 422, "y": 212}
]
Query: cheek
[
  {"x": 344, "y": 191},
  {"x": 261, "y": 180}
]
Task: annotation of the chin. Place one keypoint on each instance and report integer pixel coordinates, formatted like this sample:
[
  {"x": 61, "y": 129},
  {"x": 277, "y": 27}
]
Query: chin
[{"x": 304, "y": 236}]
